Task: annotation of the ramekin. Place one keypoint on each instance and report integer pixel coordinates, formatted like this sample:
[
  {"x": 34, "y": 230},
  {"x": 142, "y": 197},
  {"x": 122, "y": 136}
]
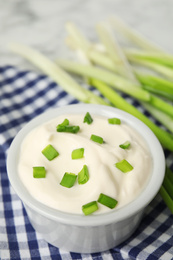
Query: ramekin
[{"x": 93, "y": 233}]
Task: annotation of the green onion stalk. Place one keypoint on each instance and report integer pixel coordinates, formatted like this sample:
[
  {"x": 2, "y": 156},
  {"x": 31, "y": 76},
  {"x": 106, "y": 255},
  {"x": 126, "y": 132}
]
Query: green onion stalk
[
  {"x": 57, "y": 74},
  {"x": 164, "y": 137}
]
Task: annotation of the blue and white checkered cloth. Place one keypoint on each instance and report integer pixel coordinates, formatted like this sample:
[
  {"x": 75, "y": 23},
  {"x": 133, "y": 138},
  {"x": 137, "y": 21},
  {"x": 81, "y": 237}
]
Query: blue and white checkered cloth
[{"x": 24, "y": 95}]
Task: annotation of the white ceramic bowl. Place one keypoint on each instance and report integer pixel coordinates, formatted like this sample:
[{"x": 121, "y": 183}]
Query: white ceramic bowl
[{"x": 93, "y": 233}]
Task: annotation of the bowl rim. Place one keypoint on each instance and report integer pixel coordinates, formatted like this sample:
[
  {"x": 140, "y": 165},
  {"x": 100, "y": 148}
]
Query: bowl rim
[{"x": 145, "y": 197}]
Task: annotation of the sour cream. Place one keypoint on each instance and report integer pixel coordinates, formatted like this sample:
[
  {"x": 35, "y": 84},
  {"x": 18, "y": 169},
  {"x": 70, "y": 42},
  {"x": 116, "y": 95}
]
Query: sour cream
[{"x": 100, "y": 159}]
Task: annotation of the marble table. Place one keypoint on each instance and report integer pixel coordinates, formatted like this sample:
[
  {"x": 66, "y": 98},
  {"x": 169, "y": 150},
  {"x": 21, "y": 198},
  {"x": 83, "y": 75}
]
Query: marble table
[{"x": 41, "y": 23}]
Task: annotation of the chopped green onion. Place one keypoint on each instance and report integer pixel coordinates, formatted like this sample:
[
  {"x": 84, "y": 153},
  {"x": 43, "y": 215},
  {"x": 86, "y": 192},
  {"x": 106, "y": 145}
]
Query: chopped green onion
[
  {"x": 83, "y": 175},
  {"x": 124, "y": 166},
  {"x": 68, "y": 128},
  {"x": 125, "y": 145},
  {"x": 50, "y": 152},
  {"x": 107, "y": 201},
  {"x": 65, "y": 122},
  {"x": 77, "y": 153},
  {"x": 68, "y": 180},
  {"x": 88, "y": 119},
  {"x": 39, "y": 172},
  {"x": 114, "y": 121},
  {"x": 90, "y": 207},
  {"x": 96, "y": 139}
]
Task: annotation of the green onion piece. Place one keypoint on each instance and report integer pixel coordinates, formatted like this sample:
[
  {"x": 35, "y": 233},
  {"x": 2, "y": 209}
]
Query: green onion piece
[
  {"x": 68, "y": 179},
  {"x": 83, "y": 175},
  {"x": 124, "y": 166},
  {"x": 107, "y": 201},
  {"x": 39, "y": 172},
  {"x": 96, "y": 139},
  {"x": 125, "y": 145},
  {"x": 68, "y": 129},
  {"x": 50, "y": 152},
  {"x": 114, "y": 121},
  {"x": 77, "y": 153},
  {"x": 88, "y": 119},
  {"x": 65, "y": 122},
  {"x": 90, "y": 207}
]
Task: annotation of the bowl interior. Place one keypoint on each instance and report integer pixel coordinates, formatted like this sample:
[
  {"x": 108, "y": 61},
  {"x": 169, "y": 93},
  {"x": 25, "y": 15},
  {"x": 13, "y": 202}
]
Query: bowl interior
[{"x": 135, "y": 206}]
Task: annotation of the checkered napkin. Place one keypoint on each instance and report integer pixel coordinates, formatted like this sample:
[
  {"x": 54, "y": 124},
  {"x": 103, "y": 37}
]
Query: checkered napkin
[{"x": 24, "y": 95}]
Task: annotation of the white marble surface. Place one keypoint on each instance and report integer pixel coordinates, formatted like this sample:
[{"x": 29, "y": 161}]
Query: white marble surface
[{"x": 40, "y": 23}]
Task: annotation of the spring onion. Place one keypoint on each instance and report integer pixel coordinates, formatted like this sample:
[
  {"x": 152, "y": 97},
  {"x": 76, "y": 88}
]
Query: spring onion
[
  {"x": 151, "y": 83},
  {"x": 114, "y": 121},
  {"x": 57, "y": 74},
  {"x": 125, "y": 145},
  {"x": 83, "y": 175},
  {"x": 114, "y": 51},
  {"x": 96, "y": 139},
  {"x": 124, "y": 166},
  {"x": 65, "y": 122},
  {"x": 68, "y": 128},
  {"x": 90, "y": 207},
  {"x": 134, "y": 36},
  {"x": 50, "y": 152},
  {"x": 77, "y": 153},
  {"x": 68, "y": 180},
  {"x": 39, "y": 172},
  {"x": 164, "y": 119},
  {"x": 88, "y": 119},
  {"x": 161, "y": 58},
  {"x": 107, "y": 201},
  {"x": 166, "y": 190},
  {"x": 165, "y": 139},
  {"x": 166, "y": 197},
  {"x": 169, "y": 174},
  {"x": 156, "y": 85},
  {"x": 108, "y": 77},
  {"x": 159, "y": 68}
]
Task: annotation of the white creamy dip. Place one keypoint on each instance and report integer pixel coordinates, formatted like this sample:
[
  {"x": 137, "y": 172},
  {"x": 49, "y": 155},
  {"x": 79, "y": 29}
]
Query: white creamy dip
[{"x": 100, "y": 159}]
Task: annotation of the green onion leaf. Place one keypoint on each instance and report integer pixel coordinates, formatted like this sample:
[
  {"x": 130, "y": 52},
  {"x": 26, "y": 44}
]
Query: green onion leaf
[
  {"x": 96, "y": 139},
  {"x": 77, "y": 153},
  {"x": 39, "y": 172},
  {"x": 83, "y": 175},
  {"x": 125, "y": 145},
  {"x": 107, "y": 201},
  {"x": 88, "y": 119},
  {"x": 68, "y": 180},
  {"x": 50, "y": 152},
  {"x": 65, "y": 122},
  {"x": 90, "y": 207},
  {"x": 124, "y": 166},
  {"x": 68, "y": 129},
  {"x": 114, "y": 121}
]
